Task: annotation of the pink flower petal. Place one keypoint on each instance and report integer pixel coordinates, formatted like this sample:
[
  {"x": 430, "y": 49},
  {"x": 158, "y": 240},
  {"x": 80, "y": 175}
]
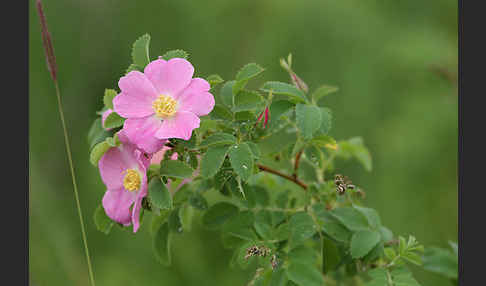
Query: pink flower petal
[
  {"x": 113, "y": 163},
  {"x": 196, "y": 98},
  {"x": 179, "y": 126},
  {"x": 136, "y": 96},
  {"x": 170, "y": 77},
  {"x": 141, "y": 132},
  {"x": 123, "y": 137},
  {"x": 157, "y": 157},
  {"x": 117, "y": 205},
  {"x": 138, "y": 204},
  {"x": 143, "y": 157}
]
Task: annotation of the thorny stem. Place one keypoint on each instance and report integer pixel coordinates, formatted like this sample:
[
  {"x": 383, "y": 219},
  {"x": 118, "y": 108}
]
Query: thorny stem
[
  {"x": 278, "y": 173},
  {"x": 296, "y": 164}
]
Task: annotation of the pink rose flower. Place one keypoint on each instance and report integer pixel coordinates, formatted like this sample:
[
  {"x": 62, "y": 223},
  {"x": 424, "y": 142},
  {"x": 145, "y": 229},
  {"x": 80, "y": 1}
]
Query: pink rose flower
[
  {"x": 123, "y": 171},
  {"x": 162, "y": 102}
]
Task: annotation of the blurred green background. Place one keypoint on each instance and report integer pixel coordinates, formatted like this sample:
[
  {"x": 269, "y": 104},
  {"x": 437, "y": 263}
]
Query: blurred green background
[{"x": 394, "y": 61}]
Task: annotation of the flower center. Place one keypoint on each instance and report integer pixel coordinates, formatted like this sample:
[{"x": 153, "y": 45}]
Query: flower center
[
  {"x": 164, "y": 106},
  {"x": 132, "y": 180}
]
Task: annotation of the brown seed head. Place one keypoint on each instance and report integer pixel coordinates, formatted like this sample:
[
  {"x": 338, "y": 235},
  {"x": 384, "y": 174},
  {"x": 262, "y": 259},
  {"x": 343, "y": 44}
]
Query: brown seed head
[{"x": 47, "y": 42}]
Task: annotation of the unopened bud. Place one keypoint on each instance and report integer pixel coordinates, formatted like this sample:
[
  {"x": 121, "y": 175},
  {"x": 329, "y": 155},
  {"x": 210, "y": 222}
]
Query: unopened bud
[{"x": 296, "y": 80}]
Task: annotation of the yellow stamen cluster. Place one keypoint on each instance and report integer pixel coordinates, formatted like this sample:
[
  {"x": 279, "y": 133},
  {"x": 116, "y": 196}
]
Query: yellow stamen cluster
[
  {"x": 132, "y": 180},
  {"x": 164, "y": 106}
]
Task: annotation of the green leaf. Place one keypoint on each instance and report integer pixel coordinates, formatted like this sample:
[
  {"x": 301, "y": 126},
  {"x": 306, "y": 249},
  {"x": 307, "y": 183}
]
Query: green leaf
[
  {"x": 279, "y": 278},
  {"x": 218, "y": 139},
  {"x": 241, "y": 159},
  {"x": 198, "y": 201},
  {"x": 315, "y": 155},
  {"x": 221, "y": 112},
  {"x": 331, "y": 225},
  {"x": 263, "y": 224},
  {"x": 230, "y": 241},
  {"x": 441, "y": 261},
  {"x": 303, "y": 255},
  {"x": 302, "y": 274},
  {"x": 241, "y": 226},
  {"x": 386, "y": 234},
  {"x": 241, "y": 253},
  {"x": 97, "y": 133},
  {"x": 351, "y": 218},
  {"x": 371, "y": 215},
  {"x": 307, "y": 171},
  {"x": 378, "y": 277},
  {"x": 246, "y": 73},
  {"x": 193, "y": 160},
  {"x": 255, "y": 150},
  {"x": 277, "y": 109},
  {"x": 354, "y": 147},
  {"x": 140, "y": 51},
  {"x": 390, "y": 253},
  {"x": 175, "y": 54},
  {"x": 175, "y": 224},
  {"x": 403, "y": 277},
  {"x": 218, "y": 214},
  {"x": 102, "y": 221},
  {"x": 397, "y": 277},
  {"x": 213, "y": 159},
  {"x": 161, "y": 244},
  {"x": 249, "y": 71},
  {"x": 214, "y": 80},
  {"x": 113, "y": 141},
  {"x": 159, "y": 194},
  {"x": 326, "y": 121},
  {"x": 308, "y": 119},
  {"x": 133, "y": 67},
  {"x": 412, "y": 257},
  {"x": 186, "y": 213},
  {"x": 277, "y": 141},
  {"x": 247, "y": 100},
  {"x": 285, "y": 89},
  {"x": 113, "y": 120},
  {"x": 363, "y": 242},
  {"x": 375, "y": 253},
  {"x": 324, "y": 141},
  {"x": 176, "y": 169},
  {"x": 158, "y": 220},
  {"x": 226, "y": 93},
  {"x": 302, "y": 227},
  {"x": 331, "y": 256},
  {"x": 244, "y": 116},
  {"x": 108, "y": 98},
  {"x": 323, "y": 90},
  {"x": 282, "y": 199},
  {"x": 337, "y": 231},
  {"x": 98, "y": 151},
  {"x": 183, "y": 193},
  {"x": 262, "y": 197},
  {"x": 283, "y": 230}
]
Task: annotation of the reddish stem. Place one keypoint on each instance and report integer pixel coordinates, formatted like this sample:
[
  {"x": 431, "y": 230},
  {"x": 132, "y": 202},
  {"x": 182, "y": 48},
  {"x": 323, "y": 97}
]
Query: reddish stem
[{"x": 290, "y": 178}]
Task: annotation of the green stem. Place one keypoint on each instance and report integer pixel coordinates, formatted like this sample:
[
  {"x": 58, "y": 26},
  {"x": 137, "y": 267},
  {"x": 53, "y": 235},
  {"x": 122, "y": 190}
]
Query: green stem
[{"x": 75, "y": 187}]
